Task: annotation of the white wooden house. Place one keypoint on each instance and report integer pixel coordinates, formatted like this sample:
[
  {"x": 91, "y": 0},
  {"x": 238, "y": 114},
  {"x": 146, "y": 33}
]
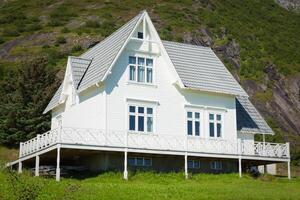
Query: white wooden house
[{"x": 136, "y": 101}]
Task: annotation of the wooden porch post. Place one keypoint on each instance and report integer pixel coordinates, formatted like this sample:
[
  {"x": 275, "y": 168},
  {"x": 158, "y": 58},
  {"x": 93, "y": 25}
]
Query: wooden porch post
[
  {"x": 240, "y": 156},
  {"x": 125, "y": 175},
  {"x": 58, "y": 164},
  {"x": 240, "y": 167},
  {"x": 289, "y": 169},
  {"x": 20, "y": 167},
  {"x": 186, "y": 166},
  {"x": 37, "y": 166}
]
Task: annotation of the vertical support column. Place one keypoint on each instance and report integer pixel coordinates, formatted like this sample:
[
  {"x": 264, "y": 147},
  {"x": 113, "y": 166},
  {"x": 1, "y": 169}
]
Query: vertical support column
[
  {"x": 37, "y": 166},
  {"x": 240, "y": 156},
  {"x": 20, "y": 167},
  {"x": 58, "y": 164},
  {"x": 186, "y": 159},
  {"x": 125, "y": 174},
  {"x": 21, "y": 149},
  {"x": 289, "y": 169},
  {"x": 240, "y": 167},
  {"x": 264, "y": 145},
  {"x": 289, "y": 156},
  {"x": 38, "y": 142},
  {"x": 186, "y": 166}
]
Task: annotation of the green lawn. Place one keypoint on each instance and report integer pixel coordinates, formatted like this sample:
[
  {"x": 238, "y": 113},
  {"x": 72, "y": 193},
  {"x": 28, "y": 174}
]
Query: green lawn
[{"x": 148, "y": 186}]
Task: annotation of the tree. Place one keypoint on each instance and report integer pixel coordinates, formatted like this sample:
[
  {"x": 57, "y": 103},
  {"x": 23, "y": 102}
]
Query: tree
[{"x": 25, "y": 93}]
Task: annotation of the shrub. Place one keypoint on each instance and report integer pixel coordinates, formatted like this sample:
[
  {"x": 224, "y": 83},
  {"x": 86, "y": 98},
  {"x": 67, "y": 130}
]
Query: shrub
[
  {"x": 92, "y": 24},
  {"x": 76, "y": 48},
  {"x": 60, "y": 40}
]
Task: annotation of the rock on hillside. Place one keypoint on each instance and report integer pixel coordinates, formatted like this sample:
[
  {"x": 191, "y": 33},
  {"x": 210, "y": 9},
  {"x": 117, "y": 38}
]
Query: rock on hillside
[{"x": 289, "y": 4}]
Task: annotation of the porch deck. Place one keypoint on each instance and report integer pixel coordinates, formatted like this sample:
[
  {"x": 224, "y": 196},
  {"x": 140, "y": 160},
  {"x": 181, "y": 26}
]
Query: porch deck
[{"x": 124, "y": 141}]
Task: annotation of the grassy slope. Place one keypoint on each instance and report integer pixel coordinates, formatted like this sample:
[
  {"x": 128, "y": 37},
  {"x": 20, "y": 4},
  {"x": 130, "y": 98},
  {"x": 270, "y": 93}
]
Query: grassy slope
[{"x": 151, "y": 186}]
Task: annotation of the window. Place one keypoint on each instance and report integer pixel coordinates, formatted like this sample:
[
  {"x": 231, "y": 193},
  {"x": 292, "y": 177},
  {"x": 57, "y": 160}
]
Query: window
[
  {"x": 140, "y": 35},
  {"x": 215, "y": 125},
  {"x": 193, "y": 164},
  {"x": 216, "y": 165},
  {"x": 140, "y": 69},
  {"x": 140, "y": 119},
  {"x": 193, "y": 123},
  {"x": 140, "y": 161}
]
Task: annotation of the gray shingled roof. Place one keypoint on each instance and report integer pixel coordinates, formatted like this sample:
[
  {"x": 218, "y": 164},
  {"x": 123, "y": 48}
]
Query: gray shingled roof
[
  {"x": 249, "y": 119},
  {"x": 199, "y": 68},
  {"x": 78, "y": 67},
  {"x": 55, "y": 100},
  {"x": 105, "y": 52}
]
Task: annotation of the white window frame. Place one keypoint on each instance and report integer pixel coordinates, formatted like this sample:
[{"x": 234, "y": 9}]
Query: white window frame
[
  {"x": 145, "y": 115},
  {"x": 194, "y": 167},
  {"x": 214, "y": 165},
  {"x": 136, "y": 65},
  {"x": 215, "y": 122},
  {"x": 143, "y": 158},
  {"x": 193, "y": 119}
]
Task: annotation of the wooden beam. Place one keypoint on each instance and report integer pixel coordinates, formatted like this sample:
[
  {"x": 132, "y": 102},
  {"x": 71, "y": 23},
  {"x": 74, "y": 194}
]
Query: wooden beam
[
  {"x": 186, "y": 166},
  {"x": 20, "y": 167},
  {"x": 125, "y": 174},
  {"x": 240, "y": 167}
]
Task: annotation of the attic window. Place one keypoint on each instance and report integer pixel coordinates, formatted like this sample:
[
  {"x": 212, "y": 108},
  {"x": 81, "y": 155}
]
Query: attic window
[{"x": 140, "y": 35}]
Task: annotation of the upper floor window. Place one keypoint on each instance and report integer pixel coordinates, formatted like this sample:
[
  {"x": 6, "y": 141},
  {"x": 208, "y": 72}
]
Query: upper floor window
[
  {"x": 140, "y": 35},
  {"x": 140, "y": 69},
  {"x": 141, "y": 119},
  {"x": 193, "y": 123},
  {"x": 215, "y": 125}
]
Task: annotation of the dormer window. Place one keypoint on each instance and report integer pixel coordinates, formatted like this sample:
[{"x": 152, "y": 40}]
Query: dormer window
[
  {"x": 140, "y": 35},
  {"x": 141, "y": 69}
]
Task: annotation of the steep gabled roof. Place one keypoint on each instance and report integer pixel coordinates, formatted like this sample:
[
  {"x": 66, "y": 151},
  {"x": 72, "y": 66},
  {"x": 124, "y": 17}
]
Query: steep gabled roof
[
  {"x": 249, "y": 119},
  {"x": 55, "y": 100},
  {"x": 104, "y": 53},
  {"x": 78, "y": 66},
  {"x": 199, "y": 68}
]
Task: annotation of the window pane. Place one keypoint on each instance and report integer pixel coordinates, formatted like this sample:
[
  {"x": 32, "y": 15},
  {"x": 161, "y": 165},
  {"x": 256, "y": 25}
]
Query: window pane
[
  {"x": 132, "y": 60},
  {"x": 141, "y": 109},
  {"x": 139, "y": 161},
  {"x": 149, "y": 124},
  {"x": 148, "y": 162},
  {"x": 211, "y": 116},
  {"x": 190, "y": 164},
  {"x": 211, "y": 129},
  {"x": 132, "y": 122},
  {"x": 149, "y": 110},
  {"x": 219, "y": 165},
  {"x": 219, "y": 129},
  {"x": 149, "y": 62},
  {"x": 131, "y": 161},
  {"x": 197, "y": 115},
  {"x": 197, "y": 128},
  {"x": 141, "y": 61},
  {"x": 141, "y": 123},
  {"x": 219, "y": 117},
  {"x": 141, "y": 74},
  {"x": 149, "y": 75},
  {"x": 140, "y": 35},
  {"x": 190, "y": 127},
  {"x": 189, "y": 114},
  {"x": 132, "y": 73},
  {"x": 132, "y": 109},
  {"x": 196, "y": 164}
]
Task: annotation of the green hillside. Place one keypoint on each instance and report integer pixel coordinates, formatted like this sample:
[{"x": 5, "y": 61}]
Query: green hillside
[{"x": 257, "y": 40}]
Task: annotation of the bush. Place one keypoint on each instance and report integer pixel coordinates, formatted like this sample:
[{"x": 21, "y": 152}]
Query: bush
[
  {"x": 92, "y": 24},
  {"x": 76, "y": 48},
  {"x": 60, "y": 40}
]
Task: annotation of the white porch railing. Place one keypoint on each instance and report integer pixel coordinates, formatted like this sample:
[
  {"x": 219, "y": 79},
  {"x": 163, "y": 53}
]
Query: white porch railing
[{"x": 163, "y": 142}]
